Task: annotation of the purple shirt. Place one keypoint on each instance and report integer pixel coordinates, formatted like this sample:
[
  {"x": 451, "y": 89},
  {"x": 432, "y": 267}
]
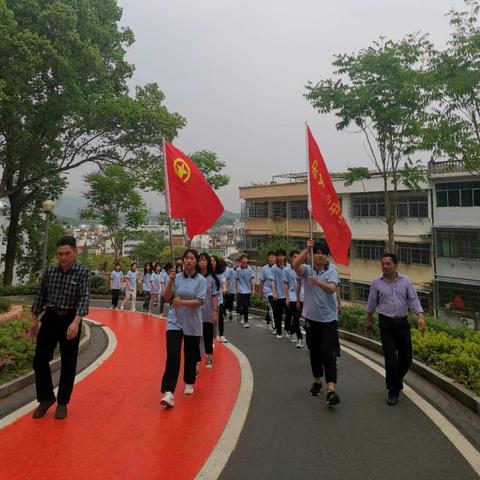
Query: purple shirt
[{"x": 393, "y": 298}]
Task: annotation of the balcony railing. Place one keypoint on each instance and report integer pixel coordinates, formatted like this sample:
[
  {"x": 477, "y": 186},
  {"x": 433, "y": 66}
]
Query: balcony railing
[{"x": 449, "y": 166}]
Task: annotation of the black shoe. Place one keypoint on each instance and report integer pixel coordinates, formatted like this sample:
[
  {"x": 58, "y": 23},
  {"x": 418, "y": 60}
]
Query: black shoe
[
  {"x": 41, "y": 410},
  {"x": 61, "y": 411},
  {"x": 332, "y": 399},
  {"x": 392, "y": 398},
  {"x": 316, "y": 389}
]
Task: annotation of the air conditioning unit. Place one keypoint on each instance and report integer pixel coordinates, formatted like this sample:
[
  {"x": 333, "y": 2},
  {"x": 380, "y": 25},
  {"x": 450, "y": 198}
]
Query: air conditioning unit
[{"x": 468, "y": 322}]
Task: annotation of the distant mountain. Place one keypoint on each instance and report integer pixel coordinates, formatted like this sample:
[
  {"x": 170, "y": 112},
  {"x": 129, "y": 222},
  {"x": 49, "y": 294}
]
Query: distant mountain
[{"x": 69, "y": 208}]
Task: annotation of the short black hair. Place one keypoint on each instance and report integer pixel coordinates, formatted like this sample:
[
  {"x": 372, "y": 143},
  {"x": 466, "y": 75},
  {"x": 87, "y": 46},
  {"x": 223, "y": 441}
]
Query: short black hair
[
  {"x": 281, "y": 251},
  {"x": 321, "y": 247},
  {"x": 271, "y": 252},
  {"x": 243, "y": 255},
  {"x": 67, "y": 240},
  {"x": 392, "y": 256},
  {"x": 293, "y": 252}
]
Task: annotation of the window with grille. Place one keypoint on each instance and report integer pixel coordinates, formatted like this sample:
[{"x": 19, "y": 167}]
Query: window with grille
[
  {"x": 344, "y": 287},
  {"x": 458, "y": 243},
  {"x": 279, "y": 209},
  {"x": 458, "y": 194},
  {"x": 299, "y": 209},
  {"x": 368, "y": 249},
  {"x": 257, "y": 209},
  {"x": 416, "y": 253},
  {"x": 458, "y": 297},
  {"x": 360, "y": 292},
  {"x": 408, "y": 205}
]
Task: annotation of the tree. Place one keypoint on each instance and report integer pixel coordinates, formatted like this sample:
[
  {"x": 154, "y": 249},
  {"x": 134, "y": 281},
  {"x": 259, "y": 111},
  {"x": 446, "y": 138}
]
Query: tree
[
  {"x": 208, "y": 163},
  {"x": 111, "y": 193},
  {"x": 150, "y": 249},
  {"x": 381, "y": 91},
  {"x": 455, "y": 122},
  {"x": 166, "y": 255},
  {"x": 64, "y": 97},
  {"x": 277, "y": 240}
]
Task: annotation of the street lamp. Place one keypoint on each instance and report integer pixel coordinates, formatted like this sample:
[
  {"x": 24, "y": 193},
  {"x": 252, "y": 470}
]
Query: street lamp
[{"x": 47, "y": 206}]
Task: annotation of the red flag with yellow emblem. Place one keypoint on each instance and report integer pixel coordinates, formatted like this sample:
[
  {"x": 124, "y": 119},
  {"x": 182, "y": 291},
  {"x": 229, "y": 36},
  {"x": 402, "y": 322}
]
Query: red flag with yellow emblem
[
  {"x": 324, "y": 205},
  {"x": 187, "y": 194}
]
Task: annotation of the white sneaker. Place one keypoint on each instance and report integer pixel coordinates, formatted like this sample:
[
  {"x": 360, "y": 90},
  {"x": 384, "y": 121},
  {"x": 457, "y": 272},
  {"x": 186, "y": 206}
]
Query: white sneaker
[
  {"x": 188, "y": 389},
  {"x": 134, "y": 309},
  {"x": 223, "y": 339},
  {"x": 208, "y": 364},
  {"x": 279, "y": 336},
  {"x": 219, "y": 338},
  {"x": 299, "y": 344},
  {"x": 121, "y": 307},
  {"x": 168, "y": 400},
  {"x": 242, "y": 322},
  {"x": 293, "y": 338},
  {"x": 246, "y": 325},
  {"x": 274, "y": 331},
  {"x": 270, "y": 326}
]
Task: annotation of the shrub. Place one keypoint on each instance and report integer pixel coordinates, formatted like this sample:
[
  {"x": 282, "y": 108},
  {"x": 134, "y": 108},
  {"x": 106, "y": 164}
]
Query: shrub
[
  {"x": 99, "y": 284},
  {"x": 257, "y": 301},
  {"x": 10, "y": 290},
  {"x": 5, "y": 305}
]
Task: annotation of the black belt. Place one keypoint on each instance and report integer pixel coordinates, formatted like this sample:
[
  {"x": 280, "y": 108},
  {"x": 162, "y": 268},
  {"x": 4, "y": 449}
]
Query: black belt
[{"x": 61, "y": 312}]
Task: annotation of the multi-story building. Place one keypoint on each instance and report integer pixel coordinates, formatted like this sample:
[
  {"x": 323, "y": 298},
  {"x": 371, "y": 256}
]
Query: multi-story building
[
  {"x": 281, "y": 208},
  {"x": 456, "y": 233}
]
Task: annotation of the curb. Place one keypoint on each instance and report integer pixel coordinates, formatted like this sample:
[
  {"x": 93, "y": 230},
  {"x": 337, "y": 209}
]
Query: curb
[
  {"x": 465, "y": 396},
  {"x": 25, "y": 380}
]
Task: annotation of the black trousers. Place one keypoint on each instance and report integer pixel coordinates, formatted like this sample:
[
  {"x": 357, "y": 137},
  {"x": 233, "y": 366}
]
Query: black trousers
[
  {"x": 292, "y": 320},
  {"x": 208, "y": 337},
  {"x": 221, "y": 319},
  {"x": 229, "y": 298},
  {"x": 115, "y": 297},
  {"x": 53, "y": 330},
  {"x": 191, "y": 354},
  {"x": 146, "y": 299},
  {"x": 243, "y": 303},
  {"x": 322, "y": 341},
  {"x": 278, "y": 308},
  {"x": 269, "y": 315},
  {"x": 397, "y": 349}
]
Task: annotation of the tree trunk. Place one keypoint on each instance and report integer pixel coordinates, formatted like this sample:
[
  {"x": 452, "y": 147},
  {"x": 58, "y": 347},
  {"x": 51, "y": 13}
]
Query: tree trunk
[
  {"x": 12, "y": 232},
  {"x": 389, "y": 218}
]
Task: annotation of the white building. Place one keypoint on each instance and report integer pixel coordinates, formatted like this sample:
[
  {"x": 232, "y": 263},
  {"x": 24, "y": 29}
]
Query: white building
[{"x": 456, "y": 231}]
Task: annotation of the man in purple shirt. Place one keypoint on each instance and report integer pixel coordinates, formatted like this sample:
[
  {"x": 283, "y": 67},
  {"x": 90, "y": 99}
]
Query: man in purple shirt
[{"x": 392, "y": 294}]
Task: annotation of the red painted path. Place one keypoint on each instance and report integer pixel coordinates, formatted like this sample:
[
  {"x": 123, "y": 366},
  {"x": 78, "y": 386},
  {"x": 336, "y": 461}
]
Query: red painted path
[{"x": 116, "y": 427}]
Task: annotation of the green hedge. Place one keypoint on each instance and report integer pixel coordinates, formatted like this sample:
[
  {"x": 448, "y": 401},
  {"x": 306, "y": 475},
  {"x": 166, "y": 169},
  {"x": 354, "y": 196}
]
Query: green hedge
[
  {"x": 10, "y": 290},
  {"x": 5, "y": 305},
  {"x": 453, "y": 351}
]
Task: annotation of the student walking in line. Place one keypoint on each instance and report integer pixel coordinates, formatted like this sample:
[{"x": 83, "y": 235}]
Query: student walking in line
[
  {"x": 292, "y": 316},
  {"x": 321, "y": 317},
  {"x": 186, "y": 291},
  {"x": 156, "y": 288},
  {"x": 164, "y": 276},
  {"x": 63, "y": 299},
  {"x": 130, "y": 278},
  {"x": 392, "y": 293},
  {"x": 299, "y": 292},
  {"x": 146, "y": 285},
  {"x": 116, "y": 284},
  {"x": 210, "y": 305},
  {"x": 278, "y": 271},
  {"x": 219, "y": 266},
  {"x": 231, "y": 289},
  {"x": 268, "y": 287},
  {"x": 245, "y": 287}
]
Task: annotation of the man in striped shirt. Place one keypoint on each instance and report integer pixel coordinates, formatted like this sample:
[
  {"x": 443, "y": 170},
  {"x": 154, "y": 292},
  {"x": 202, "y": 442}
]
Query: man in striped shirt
[{"x": 63, "y": 299}]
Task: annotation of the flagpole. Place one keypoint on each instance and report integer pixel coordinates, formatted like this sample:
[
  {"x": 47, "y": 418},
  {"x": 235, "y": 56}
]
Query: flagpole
[
  {"x": 309, "y": 201},
  {"x": 167, "y": 199}
]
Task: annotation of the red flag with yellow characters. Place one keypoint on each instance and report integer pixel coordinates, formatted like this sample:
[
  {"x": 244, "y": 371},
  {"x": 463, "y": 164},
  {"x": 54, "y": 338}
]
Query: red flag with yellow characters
[
  {"x": 324, "y": 205},
  {"x": 187, "y": 194}
]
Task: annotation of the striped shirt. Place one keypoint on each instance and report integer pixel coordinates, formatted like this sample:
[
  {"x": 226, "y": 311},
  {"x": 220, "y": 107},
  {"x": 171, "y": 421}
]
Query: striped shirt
[{"x": 61, "y": 290}]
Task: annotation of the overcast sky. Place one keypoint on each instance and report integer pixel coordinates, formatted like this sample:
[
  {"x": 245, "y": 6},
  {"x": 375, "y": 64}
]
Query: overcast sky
[{"x": 236, "y": 69}]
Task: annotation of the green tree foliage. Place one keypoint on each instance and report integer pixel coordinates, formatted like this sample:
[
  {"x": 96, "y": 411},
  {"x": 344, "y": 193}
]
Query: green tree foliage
[
  {"x": 150, "y": 249},
  {"x": 111, "y": 194},
  {"x": 208, "y": 163},
  {"x": 278, "y": 240},
  {"x": 455, "y": 123},
  {"x": 166, "y": 255},
  {"x": 380, "y": 91}
]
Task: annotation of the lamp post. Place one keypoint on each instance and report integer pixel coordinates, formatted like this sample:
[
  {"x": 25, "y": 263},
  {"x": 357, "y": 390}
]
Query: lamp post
[{"x": 47, "y": 206}]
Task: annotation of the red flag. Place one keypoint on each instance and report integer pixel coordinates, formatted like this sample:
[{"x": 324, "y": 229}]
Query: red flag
[
  {"x": 324, "y": 205},
  {"x": 187, "y": 194}
]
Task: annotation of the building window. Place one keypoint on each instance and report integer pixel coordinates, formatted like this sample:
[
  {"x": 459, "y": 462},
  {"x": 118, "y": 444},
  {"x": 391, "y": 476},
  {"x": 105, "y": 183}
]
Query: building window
[
  {"x": 344, "y": 287},
  {"x": 408, "y": 205},
  {"x": 458, "y": 194},
  {"x": 458, "y": 244},
  {"x": 279, "y": 209},
  {"x": 299, "y": 209},
  {"x": 425, "y": 301},
  {"x": 360, "y": 292},
  {"x": 254, "y": 242},
  {"x": 458, "y": 297},
  {"x": 416, "y": 253},
  {"x": 368, "y": 250},
  {"x": 257, "y": 209}
]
